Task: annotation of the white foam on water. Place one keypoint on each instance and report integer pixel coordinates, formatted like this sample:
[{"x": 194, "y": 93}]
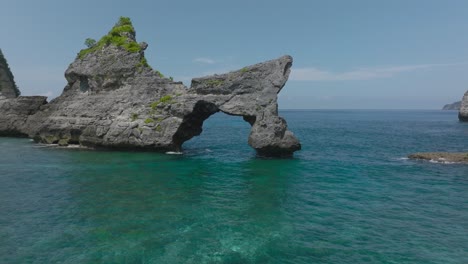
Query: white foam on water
[
  {"x": 174, "y": 153},
  {"x": 442, "y": 161}
]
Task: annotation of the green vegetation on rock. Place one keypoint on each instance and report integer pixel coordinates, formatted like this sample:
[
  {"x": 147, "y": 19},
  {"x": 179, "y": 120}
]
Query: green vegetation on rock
[
  {"x": 143, "y": 63},
  {"x": 214, "y": 82},
  {"x": 118, "y": 36},
  {"x": 167, "y": 99},
  {"x": 149, "y": 120},
  {"x": 89, "y": 42},
  {"x": 160, "y": 74}
]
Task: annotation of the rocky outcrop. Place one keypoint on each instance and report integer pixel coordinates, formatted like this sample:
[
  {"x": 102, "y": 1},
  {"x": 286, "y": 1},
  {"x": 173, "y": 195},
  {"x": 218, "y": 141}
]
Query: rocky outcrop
[
  {"x": 441, "y": 157},
  {"x": 14, "y": 113},
  {"x": 8, "y": 88},
  {"x": 114, "y": 99},
  {"x": 463, "y": 113},
  {"x": 14, "y": 110},
  {"x": 452, "y": 106}
]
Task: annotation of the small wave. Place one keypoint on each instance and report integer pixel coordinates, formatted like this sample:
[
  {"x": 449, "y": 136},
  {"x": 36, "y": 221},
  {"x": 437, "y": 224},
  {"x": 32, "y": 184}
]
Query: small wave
[
  {"x": 403, "y": 158},
  {"x": 174, "y": 153},
  {"x": 442, "y": 161},
  {"x": 71, "y": 146}
]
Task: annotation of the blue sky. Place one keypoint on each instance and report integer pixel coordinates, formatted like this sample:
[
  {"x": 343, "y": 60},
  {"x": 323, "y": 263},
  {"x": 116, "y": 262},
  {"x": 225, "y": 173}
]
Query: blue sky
[{"x": 347, "y": 54}]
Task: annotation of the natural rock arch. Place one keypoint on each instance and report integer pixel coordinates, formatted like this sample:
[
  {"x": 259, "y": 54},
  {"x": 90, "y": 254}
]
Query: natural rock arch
[{"x": 114, "y": 99}]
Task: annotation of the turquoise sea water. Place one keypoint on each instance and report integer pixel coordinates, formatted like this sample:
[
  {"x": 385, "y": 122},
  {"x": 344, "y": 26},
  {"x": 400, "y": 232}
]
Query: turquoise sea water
[{"x": 348, "y": 197}]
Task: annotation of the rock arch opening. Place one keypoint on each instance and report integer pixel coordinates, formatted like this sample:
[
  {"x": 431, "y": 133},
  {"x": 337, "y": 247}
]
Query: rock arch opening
[{"x": 223, "y": 127}]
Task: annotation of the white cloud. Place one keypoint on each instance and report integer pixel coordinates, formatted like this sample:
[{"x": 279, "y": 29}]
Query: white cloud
[
  {"x": 315, "y": 74},
  {"x": 204, "y": 60}
]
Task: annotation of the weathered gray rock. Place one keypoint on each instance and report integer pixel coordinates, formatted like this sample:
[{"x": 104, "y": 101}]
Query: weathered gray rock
[
  {"x": 452, "y": 106},
  {"x": 463, "y": 113},
  {"x": 441, "y": 157},
  {"x": 14, "y": 110},
  {"x": 14, "y": 113},
  {"x": 114, "y": 99},
  {"x": 8, "y": 88}
]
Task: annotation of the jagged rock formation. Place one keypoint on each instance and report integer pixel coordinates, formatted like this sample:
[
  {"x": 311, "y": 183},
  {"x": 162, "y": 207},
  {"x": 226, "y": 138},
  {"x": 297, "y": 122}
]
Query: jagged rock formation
[
  {"x": 114, "y": 99},
  {"x": 14, "y": 113},
  {"x": 8, "y": 88},
  {"x": 463, "y": 113},
  {"x": 14, "y": 110},
  {"x": 452, "y": 106},
  {"x": 441, "y": 157}
]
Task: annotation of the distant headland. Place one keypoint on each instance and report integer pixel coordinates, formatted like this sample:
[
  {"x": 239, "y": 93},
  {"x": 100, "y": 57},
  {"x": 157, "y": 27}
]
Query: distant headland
[{"x": 452, "y": 106}]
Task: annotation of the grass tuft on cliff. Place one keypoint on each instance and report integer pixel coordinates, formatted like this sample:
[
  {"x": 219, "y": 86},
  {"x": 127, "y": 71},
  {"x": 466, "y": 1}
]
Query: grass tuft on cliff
[{"x": 117, "y": 36}]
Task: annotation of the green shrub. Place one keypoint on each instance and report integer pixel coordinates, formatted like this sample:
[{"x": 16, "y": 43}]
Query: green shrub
[
  {"x": 244, "y": 70},
  {"x": 149, "y": 120},
  {"x": 160, "y": 74},
  {"x": 167, "y": 99},
  {"x": 123, "y": 21},
  {"x": 143, "y": 63},
  {"x": 89, "y": 42},
  {"x": 214, "y": 82},
  {"x": 134, "y": 116},
  {"x": 117, "y": 36}
]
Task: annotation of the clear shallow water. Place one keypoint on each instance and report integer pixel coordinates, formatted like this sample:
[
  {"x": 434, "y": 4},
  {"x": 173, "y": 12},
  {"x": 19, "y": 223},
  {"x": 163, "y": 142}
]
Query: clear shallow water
[{"x": 347, "y": 197}]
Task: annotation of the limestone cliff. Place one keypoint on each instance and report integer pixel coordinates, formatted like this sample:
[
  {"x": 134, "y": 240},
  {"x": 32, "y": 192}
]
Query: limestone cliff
[
  {"x": 14, "y": 110},
  {"x": 114, "y": 99},
  {"x": 14, "y": 113},
  {"x": 8, "y": 88},
  {"x": 463, "y": 113}
]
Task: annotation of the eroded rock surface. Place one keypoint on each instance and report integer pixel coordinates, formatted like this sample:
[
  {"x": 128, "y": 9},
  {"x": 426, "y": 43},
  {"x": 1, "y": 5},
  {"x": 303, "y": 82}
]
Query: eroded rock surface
[
  {"x": 114, "y": 99},
  {"x": 14, "y": 113},
  {"x": 441, "y": 157},
  {"x": 8, "y": 88},
  {"x": 463, "y": 112},
  {"x": 14, "y": 110}
]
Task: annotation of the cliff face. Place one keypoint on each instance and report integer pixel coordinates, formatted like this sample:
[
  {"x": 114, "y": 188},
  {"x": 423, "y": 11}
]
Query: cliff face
[
  {"x": 114, "y": 99},
  {"x": 463, "y": 113},
  {"x": 8, "y": 88},
  {"x": 452, "y": 106},
  {"x": 14, "y": 110}
]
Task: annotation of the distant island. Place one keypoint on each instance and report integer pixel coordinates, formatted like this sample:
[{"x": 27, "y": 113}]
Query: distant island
[{"x": 452, "y": 106}]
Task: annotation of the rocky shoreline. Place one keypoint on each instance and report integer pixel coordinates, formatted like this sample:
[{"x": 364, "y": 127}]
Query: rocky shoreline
[
  {"x": 441, "y": 157},
  {"x": 114, "y": 99}
]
